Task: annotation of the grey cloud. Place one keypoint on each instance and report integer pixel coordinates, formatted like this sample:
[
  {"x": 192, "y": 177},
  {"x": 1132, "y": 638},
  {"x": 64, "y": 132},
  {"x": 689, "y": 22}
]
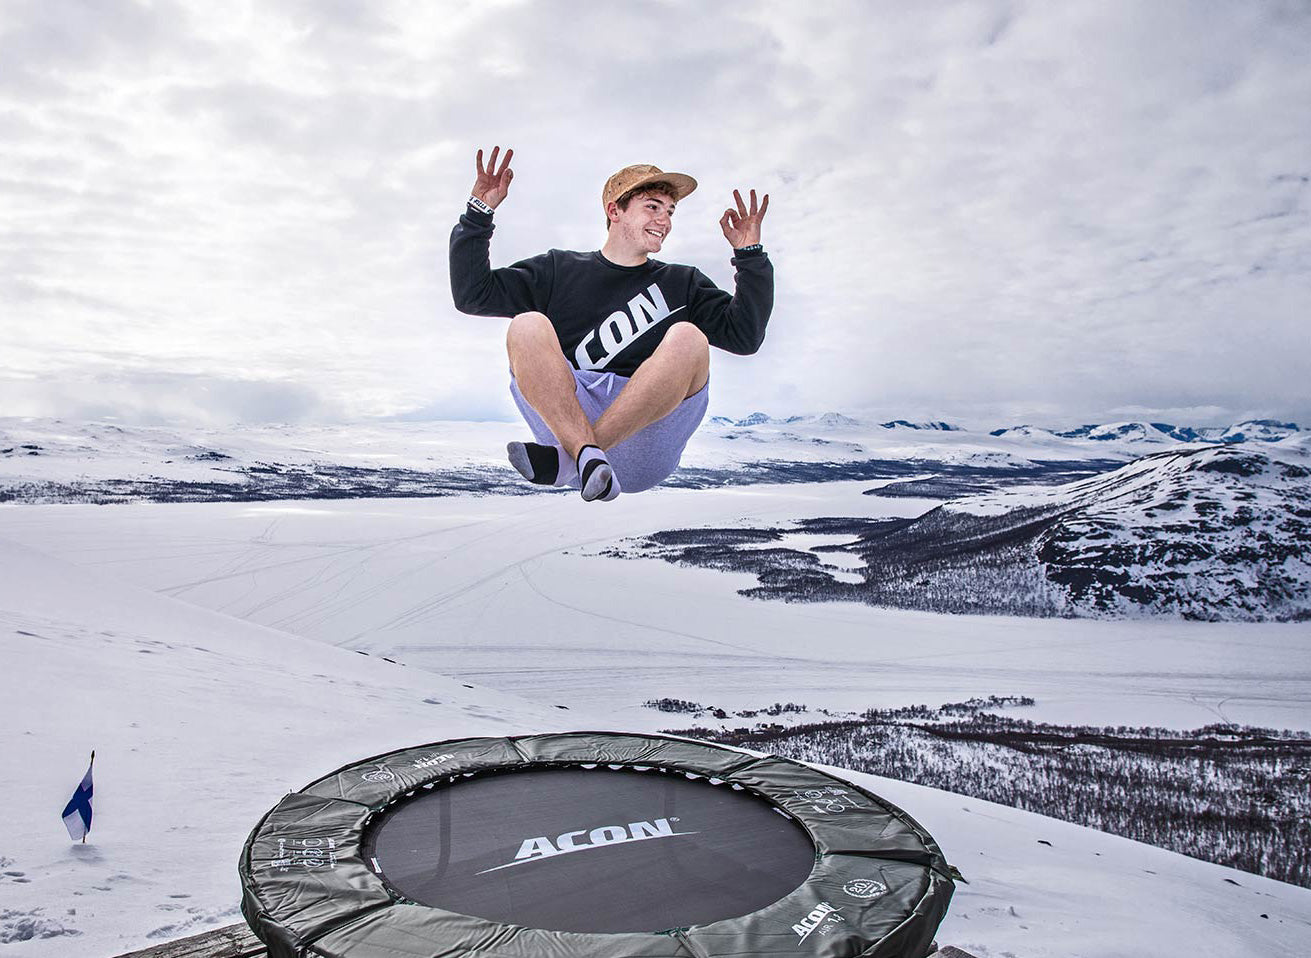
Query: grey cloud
[
  {"x": 160, "y": 398},
  {"x": 19, "y": 290},
  {"x": 46, "y": 41}
]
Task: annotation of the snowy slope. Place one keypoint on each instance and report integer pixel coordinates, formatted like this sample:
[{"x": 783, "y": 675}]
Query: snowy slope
[
  {"x": 1040, "y": 888},
  {"x": 200, "y": 723},
  {"x": 448, "y": 585}
]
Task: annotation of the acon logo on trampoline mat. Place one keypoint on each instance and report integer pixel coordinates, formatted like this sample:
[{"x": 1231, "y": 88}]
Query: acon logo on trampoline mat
[
  {"x": 584, "y": 840},
  {"x": 821, "y": 919}
]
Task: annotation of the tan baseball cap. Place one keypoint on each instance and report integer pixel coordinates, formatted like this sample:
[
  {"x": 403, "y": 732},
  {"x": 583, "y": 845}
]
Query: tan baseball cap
[{"x": 640, "y": 174}]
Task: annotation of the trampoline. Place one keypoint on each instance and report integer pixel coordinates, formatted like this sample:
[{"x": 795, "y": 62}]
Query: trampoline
[{"x": 589, "y": 844}]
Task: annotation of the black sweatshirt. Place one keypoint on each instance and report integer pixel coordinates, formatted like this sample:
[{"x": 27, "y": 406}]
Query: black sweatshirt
[{"x": 606, "y": 316}]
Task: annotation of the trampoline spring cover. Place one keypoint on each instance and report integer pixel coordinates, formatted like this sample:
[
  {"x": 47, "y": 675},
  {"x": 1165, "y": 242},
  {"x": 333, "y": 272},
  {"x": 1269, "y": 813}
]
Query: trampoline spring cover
[{"x": 589, "y": 844}]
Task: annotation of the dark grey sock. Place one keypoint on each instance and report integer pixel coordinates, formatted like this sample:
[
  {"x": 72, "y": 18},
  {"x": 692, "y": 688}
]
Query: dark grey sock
[
  {"x": 536, "y": 463},
  {"x": 597, "y": 479}
]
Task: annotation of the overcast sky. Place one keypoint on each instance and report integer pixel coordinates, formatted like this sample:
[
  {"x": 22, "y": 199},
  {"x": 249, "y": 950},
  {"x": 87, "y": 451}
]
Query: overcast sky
[{"x": 992, "y": 212}]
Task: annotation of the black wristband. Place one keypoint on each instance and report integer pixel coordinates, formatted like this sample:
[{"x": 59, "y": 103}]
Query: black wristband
[{"x": 753, "y": 248}]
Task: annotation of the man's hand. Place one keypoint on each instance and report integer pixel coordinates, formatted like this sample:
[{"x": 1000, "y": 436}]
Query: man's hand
[
  {"x": 492, "y": 184},
  {"x": 742, "y": 228}
]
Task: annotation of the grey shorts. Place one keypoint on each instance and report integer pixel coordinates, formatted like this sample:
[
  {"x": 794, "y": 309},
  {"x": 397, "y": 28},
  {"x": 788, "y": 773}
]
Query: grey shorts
[{"x": 643, "y": 460}]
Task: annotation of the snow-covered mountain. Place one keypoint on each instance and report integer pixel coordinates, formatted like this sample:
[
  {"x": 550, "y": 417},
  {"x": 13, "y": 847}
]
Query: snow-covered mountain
[
  {"x": 1200, "y": 532},
  {"x": 48, "y": 460},
  {"x": 1206, "y": 533},
  {"x": 1161, "y": 433}
]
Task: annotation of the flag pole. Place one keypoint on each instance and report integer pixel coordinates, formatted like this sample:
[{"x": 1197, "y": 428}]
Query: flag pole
[{"x": 89, "y": 767}]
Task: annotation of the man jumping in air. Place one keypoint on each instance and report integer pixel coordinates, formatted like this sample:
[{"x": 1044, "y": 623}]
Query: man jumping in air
[{"x": 610, "y": 350}]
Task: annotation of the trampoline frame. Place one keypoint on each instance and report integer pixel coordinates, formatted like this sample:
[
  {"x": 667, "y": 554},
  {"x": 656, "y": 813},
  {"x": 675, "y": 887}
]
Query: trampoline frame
[{"x": 878, "y": 889}]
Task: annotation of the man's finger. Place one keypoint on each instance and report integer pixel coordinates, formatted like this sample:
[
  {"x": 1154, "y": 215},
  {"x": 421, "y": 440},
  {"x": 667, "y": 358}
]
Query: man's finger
[
  {"x": 491, "y": 163},
  {"x": 764, "y": 205},
  {"x": 481, "y": 171},
  {"x": 505, "y": 165},
  {"x": 741, "y": 207},
  {"x": 753, "y": 202}
]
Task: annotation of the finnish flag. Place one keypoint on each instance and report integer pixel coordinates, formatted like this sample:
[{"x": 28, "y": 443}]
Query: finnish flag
[{"x": 77, "y": 813}]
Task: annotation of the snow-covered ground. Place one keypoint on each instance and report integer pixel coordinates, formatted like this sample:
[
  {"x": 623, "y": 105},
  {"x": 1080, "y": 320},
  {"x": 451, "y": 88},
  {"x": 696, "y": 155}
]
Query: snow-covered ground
[
  {"x": 513, "y": 593},
  {"x": 202, "y": 721},
  {"x": 208, "y": 653}
]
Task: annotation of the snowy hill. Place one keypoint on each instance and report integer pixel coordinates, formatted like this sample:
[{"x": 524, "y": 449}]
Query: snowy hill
[
  {"x": 1132, "y": 431},
  {"x": 1210, "y": 533},
  {"x": 1259, "y": 430},
  {"x": 202, "y": 721},
  {"x": 1218, "y": 533}
]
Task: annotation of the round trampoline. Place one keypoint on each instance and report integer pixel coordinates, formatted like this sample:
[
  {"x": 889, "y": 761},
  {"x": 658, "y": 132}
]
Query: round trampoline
[{"x": 589, "y": 844}]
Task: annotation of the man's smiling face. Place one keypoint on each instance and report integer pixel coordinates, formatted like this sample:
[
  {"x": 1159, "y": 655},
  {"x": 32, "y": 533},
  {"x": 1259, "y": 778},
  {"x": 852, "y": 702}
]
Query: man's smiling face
[{"x": 646, "y": 222}]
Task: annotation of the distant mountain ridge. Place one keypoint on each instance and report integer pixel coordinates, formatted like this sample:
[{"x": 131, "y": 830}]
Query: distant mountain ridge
[
  {"x": 1249, "y": 430},
  {"x": 1252, "y": 430},
  {"x": 49, "y": 460}
]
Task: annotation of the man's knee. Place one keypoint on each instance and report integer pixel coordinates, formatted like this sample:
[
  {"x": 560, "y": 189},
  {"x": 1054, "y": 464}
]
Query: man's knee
[
  {"x": 528, "y": 325},
  {"x": 688, "y": 347},
  {"x": 687, "y": 342},
  {"x": 529, "y": 331}
]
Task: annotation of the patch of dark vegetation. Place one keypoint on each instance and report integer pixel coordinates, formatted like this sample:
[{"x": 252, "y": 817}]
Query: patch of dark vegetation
[
  {"x": 829, "y": 526},
  {"x": 1235, "y": 795},
  {"x": 724, "y": 537},
  {"x": 1236, "y": 464},
  {"x": 674, "y": 705},
  {"x": 936, "y": 488},
  {"x": 265, "y": 482},
  {"x": 697, "y": 710}
]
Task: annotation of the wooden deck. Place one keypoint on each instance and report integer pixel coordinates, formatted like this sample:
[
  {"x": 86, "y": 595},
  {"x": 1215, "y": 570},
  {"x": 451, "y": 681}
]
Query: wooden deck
[
  {"x": 231, "y": 941},
  {"x": 237, "y": 941}
]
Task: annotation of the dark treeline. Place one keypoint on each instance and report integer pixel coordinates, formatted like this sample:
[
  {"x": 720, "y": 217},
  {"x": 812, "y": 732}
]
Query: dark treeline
[{"x": 1235, "y": 796}]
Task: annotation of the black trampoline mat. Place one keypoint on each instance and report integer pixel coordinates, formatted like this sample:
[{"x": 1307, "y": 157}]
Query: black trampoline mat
[{"x": 590, "y": 850}]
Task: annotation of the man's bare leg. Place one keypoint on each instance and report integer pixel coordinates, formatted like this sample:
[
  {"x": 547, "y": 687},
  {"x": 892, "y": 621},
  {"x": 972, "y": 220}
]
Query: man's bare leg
[
  {"x": 679, "y": 368},
  {"x": 546, "y": 380}
]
